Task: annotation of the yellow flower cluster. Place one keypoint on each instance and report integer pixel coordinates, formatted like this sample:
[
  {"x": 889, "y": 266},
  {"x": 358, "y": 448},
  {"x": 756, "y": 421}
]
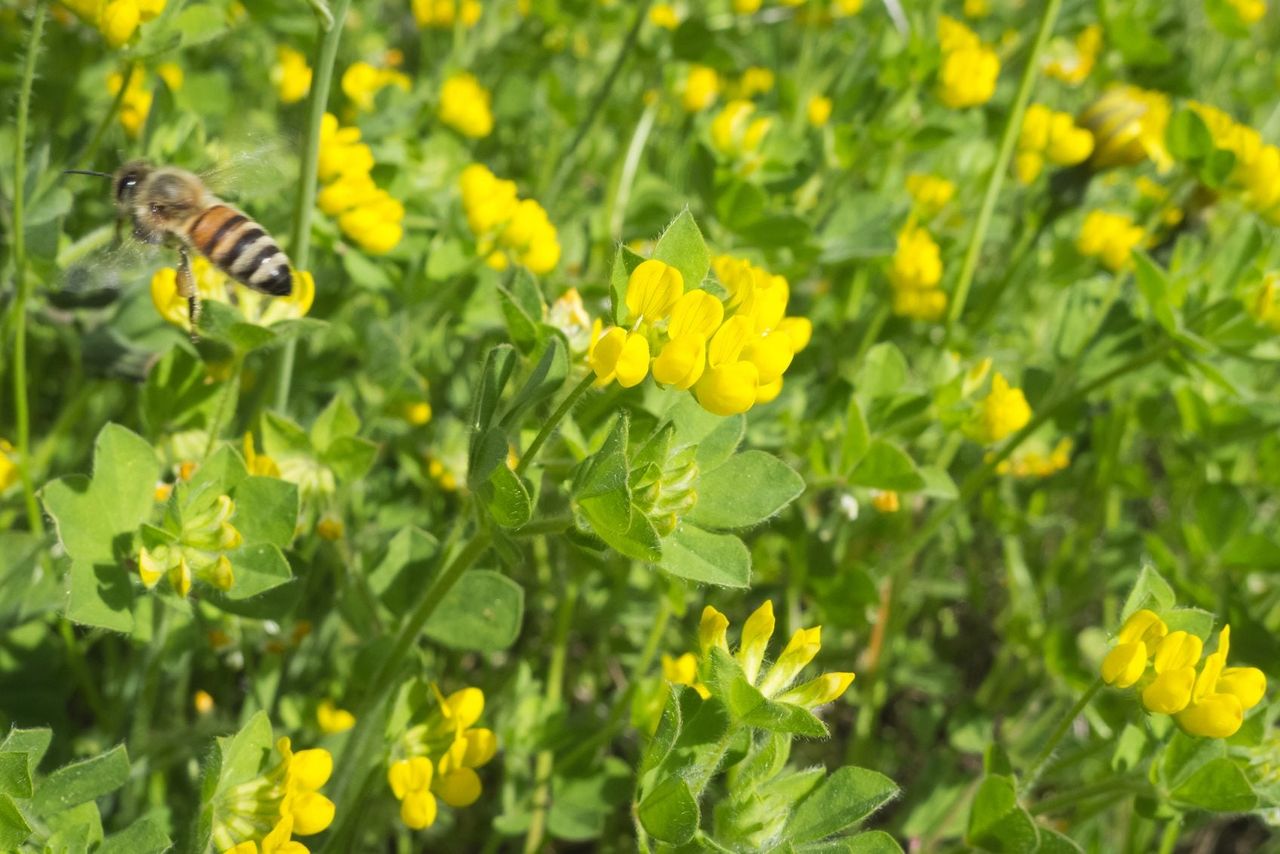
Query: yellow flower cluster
[
  {"x": 756, "y": 80},
  {"x": 1037, "y": 463},
  {"x": 1249, "y": 11},
  {"x": 135, "y": 103},
  {"x": 1128, "y": 126},
  {"x": 775, "y": 681},
  {"x": 265, "y": 812},
  {"x": 1256, "y": 176},
  {"x": 736, "y": 133},
  {"x": 732, "y": 354},
  {"x": 818, "y": 110},
  {"x": 1110, "y": 237},
  {"x": 664, "y": 15},
  {"x": 1003, "y": 411},
  {"x": 1072, "y": 62},
  {"x": 507, "y": 228},
  {"x": 117, "y": 20},
  {"x": 366, "y": 213},
  {"x": 1209, "y": 704},
  {"x": 291, "y": 75},
  {"x": 199, "y": 552},
  {"x": 701, "y": 87},
  {"x": 914, "y": 272},
  {"x": 441, "y": 14},
  {"x": 214, "y": 286},
  {"x": 967, "y": 77},
  {"x": 465, "y": 105},
  {"x": 1049, "y": 135},
  {"x": 362, "y": 82},
  {"x": 438, "y": 758},
  {"x": 931, "y": 193}
]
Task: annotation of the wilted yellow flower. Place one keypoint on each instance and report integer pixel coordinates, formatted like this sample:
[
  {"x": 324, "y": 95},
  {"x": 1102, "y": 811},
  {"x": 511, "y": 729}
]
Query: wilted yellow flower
[
  {"x": 701, "y": 86},
  {"x": 1109, "y": 237},
  {"x": 291, "y": 75},
  {"x": 464, "y": 105},
  {"x": 1004, "y": 411}
]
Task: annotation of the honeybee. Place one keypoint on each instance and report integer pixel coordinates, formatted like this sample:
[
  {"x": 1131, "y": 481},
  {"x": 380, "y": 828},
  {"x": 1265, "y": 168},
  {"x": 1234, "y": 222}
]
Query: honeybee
[{"x": 171, "y": 206}]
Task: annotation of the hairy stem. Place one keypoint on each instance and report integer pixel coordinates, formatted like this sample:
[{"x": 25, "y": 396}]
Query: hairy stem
[
  {"x": 21, "y": 400},
  {"x": 1013, "y": 126},
  {"x": 1037, "y": 764},
  {"x": 553, "y": 422},
  {"x": 330, "y": 22}
]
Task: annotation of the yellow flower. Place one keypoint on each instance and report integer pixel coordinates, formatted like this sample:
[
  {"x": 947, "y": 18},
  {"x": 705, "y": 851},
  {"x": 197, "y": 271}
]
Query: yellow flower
[
  {"x": 621, "y": 355},
  {"x": 729, "y": 384},
  {"x": 1175, "y": 667},
  {"x": 914, "y": 273},
  {"x": 664, "y": 15},
  {"x": 1128, "y": 126},
  {"x": 283, "y": 801},
  {"x": 681, "y": 361},
  {"x": 441, "y": 14},
  {"x": 258, "y": 464},
  {"x": 775, "y": 681},
  {"x": 818, "y": 110},
  {"x": 756, "y": 81},
  {"x": 747, "y": 7},
  {"x": 885, "y": 501},
  {"x": 931, "y": 193},
  {"x": 1004, "y": 411},
  {"x": 1049, "y": 134},
  {"x": 1109, "y": 237},
  {"x": 1222, "y": 694},
  {"x": 291, "y": 75},
  {"x": 652, "y": 291},
  {"x": 1135, "y": 643},
  {"x": 684, "y": 671},
  {"x": 8, "y": 466},
  {"x": 1071, "y": 63},
  {"x": 701, "y": 86},
  {"x": 1249, "y": 11},
  {"x": 330, "y": 528},
  {"x": 119, "y": 21},
  {"x": 333, "y": 720},
  {"x": 464, "y": 106},
  {"x": 735, "y": 134},
  {"x": 362, "y": 82},
  {"x": 845, "y": 8},
  {"x": 172, "y": 75},
  {"x": 202, "y": 701},
  {"x": 341, "y": 151},
  {"x": 968, "y": 77},
  {"x": 977, "y": 8},
  {"x": 135, "y": 104},
  {"x": 520, "y": 227}
]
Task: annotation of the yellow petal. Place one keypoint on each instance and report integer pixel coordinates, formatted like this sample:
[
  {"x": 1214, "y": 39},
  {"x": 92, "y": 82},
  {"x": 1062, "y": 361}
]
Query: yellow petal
[
  {"x": 712, "y": 629},
  {"x": 652, "y": 290},
  {"x": 1246, "y": 684},
  {"x": 465, "y": 706},
  {"x": 756, "y": 633},
  {"x": 729, "y": 389},
  {"x": 1176, "y": 651},
  {"x": 681, "y": 362},
  {"x": 1214, "y": 716},
  {"x": 695, "y": 313},
  {"x": 1125, "y": 664},
  {"x": 1170, "y": 692},
  {"x": 312, "y": 812},
  {"x": 482, "y": 744},
  {"x": 310, "y": 769},
  {"x": 418, "y": 810},
  {"x": 458, "y": 788},
  {"x": 633, "y": 360}
]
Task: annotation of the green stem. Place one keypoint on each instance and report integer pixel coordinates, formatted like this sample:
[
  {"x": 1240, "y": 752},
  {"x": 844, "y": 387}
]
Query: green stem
[
  {"x": 554, "y": 421},
  {"x": 22, "y": 287},
  {"x": 1012, "y": 128},
  {"x": 355, "y": 755},
  {"x": 601, "y": 96},
  {"x": 1037, "y": 764},
  {"x": 100, "y": 132},
  {"x": 229, "y": 389},
  {"x": 1109, "y": 786},
  {"x": 545, "y": 762},
  {"x": 305, "y": 202},
  {"x": 1169, "y": 838}
]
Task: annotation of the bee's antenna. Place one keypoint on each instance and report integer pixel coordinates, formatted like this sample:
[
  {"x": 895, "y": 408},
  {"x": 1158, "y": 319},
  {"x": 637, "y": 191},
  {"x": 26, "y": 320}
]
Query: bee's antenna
[{"x": 86, "y": 172}]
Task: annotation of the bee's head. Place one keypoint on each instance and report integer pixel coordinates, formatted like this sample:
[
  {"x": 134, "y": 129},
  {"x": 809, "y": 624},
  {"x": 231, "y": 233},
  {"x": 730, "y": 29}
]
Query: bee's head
[{"x": 127, "y": 179}]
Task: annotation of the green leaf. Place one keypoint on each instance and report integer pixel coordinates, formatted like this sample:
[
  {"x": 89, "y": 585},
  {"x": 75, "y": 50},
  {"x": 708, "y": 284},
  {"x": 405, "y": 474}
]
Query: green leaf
[
  {"x": 1153, "y": 282},
  {"x": 99, "y": 595},
  {"x": 718, "y": 445},
  {"x": 176, "y": 393},
  {"x": 199, "y": 24},
  {"x": 147, "y": 835},
  {"x": 698, "y": 555},
  {"x": 683, "y": 247},
  {"x": 870, "y": 842},
  {"x": 405, "y": 565},
  {"x": 886, "y": 466},
  {"x": 32, "y": 742},
  {"x": 258, "y": 568},
  {"x": 336, "y": 421},
  {"x": 1149, "y": 591},
  {"x": 849, "y": 795},
  {"x": 997, "y": 823},
  {"x": 218, "y": 475},
  {"x": 498, "y": 366},
  {"x": 883, "y": 372},
  {"x": 857, "y": 438},
  {"x": 524, "y": 309},
  {"x": 745, "y": 491},
  {"x": 507, "y": 498},
  {"x": 482, "y": 612},
  {"x": 82, "y": 781},
  {"x": 624, "y": 262},
  {"x": 1187, "y": 136},
  {"x": 243, "y": 756},
  {"x": 1053, "y": 842},
  {"x": 664, "y": 737},
  {"x": 1185, "y": 754},
  {"x": 13, "y": 827},
  {"x": 266, "y": 510},
  {"x": 96, "y": 518},
  {"x": 350, "y": 457},
  {"x": 1218, "y": 786},
  {"x": 669, "y": 813},
  {"x": 15, "y": 774},
  {"x": 283, "y": 438},
  {"x": 747, "y": 705},
  {"x": 547, "y": 376}
]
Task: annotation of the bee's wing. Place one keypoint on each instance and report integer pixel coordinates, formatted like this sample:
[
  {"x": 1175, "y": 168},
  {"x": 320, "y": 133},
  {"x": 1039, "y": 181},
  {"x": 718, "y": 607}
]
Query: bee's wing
[
  {"x": 247, "y": 170},
  {"x": 94, "y": 268}
]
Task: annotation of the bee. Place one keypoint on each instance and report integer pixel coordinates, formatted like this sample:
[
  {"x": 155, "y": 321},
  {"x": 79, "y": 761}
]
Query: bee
[{"x": 171, "y": 206}]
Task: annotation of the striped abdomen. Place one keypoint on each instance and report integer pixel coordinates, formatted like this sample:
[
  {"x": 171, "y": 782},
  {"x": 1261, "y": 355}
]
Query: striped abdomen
[{"x": 242, "y": 249}]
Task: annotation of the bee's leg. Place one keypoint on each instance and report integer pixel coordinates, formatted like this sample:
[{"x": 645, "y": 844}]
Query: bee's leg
[{"x": 187, "y": 287}]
